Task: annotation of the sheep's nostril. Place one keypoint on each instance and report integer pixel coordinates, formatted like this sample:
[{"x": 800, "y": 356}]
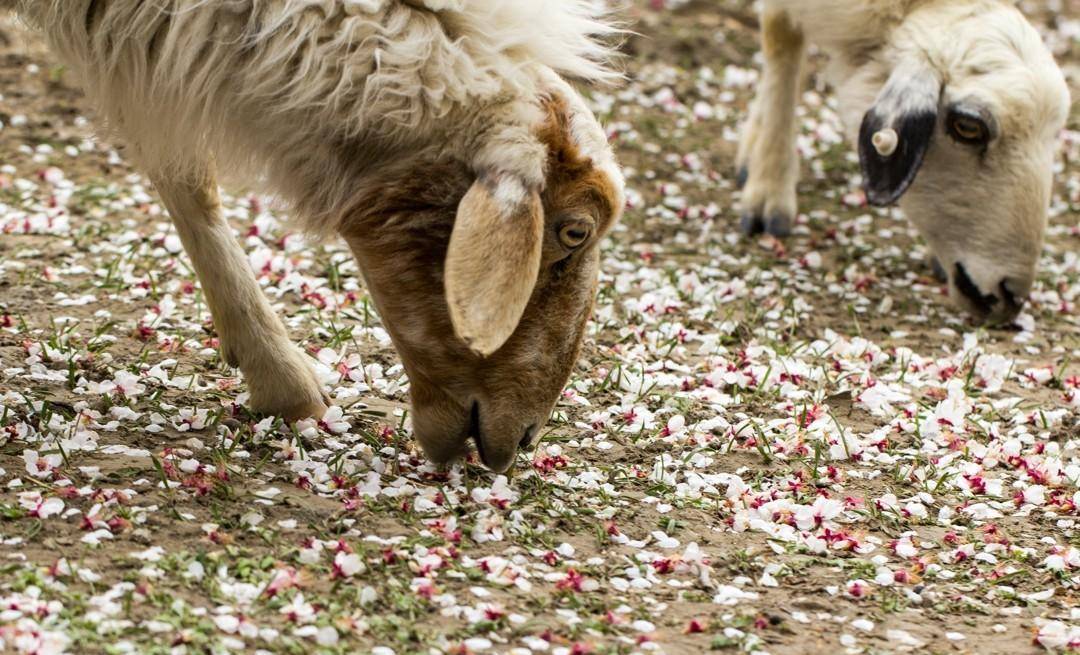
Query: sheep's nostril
[
  {"x": 474, "y": 420},
  {"x": 966, "y": 286},
  {"x": 474, "y": 431},
  {"x": 527, "y": 440},
  {"x": 936, "y": 267}
]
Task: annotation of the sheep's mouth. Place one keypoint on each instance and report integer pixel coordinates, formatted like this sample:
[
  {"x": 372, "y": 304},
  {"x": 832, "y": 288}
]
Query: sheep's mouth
[{"x": 472, "y": 430}]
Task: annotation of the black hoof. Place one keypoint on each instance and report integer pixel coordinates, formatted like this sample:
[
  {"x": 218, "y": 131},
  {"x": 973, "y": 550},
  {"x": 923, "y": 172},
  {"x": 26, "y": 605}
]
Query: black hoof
[
  {"x": 741, "y": 176},
  {"x": 939, "y": 271},
  {"x": 778, "y": 225},
  {"x": 751, "y": 224}
]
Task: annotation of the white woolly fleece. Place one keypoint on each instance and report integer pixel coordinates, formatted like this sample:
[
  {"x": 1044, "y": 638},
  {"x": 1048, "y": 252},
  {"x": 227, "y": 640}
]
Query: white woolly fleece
[{"x": 285, "y": 87}]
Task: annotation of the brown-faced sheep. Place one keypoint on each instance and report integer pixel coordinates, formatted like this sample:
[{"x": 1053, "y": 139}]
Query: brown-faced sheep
[{"x": 438, "y": 137}]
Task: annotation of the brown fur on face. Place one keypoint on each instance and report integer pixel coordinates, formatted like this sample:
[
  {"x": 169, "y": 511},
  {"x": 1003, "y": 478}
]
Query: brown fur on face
[
  {"x": 400, "y": 235},
  {"x": 574, "y": 184}
]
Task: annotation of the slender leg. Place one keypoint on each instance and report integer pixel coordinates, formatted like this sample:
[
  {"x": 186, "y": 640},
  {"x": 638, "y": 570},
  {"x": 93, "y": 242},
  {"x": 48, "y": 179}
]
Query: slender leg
[
  {"x": 747, "y": 143},
  {"x": 767, "y": 160},
  {"x": 278, "y": 374}
]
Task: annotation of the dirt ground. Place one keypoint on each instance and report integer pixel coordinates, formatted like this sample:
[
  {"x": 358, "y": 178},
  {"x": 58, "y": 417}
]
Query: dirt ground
[{"x": 788, "y": 447}]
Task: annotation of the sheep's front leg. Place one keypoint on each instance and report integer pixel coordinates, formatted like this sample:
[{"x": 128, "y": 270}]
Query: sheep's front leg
[
  {"x": 278, "y": 374},
  {"x": 767, "y": 162}
]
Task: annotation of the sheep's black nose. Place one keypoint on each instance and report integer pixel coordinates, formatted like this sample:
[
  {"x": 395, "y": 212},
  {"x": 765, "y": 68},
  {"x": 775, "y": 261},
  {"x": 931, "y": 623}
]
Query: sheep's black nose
[
  {"x": 527, "y": 440},
  {"x": 1002, "y": 305}
]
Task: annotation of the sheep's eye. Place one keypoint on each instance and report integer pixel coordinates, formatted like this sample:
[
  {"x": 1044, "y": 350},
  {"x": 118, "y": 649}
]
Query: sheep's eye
[
  {"x": 573, "y": 235},
  {"x": 967, "y": 129}
]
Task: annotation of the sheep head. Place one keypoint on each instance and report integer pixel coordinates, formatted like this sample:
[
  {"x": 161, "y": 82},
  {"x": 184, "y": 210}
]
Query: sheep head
[
  {"x": 962, "y": 135},
  {"x": 486, "y": 283}
]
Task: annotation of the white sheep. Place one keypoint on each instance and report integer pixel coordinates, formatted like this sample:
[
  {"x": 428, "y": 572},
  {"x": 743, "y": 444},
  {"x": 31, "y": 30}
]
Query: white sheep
[
  {"x": 955, "y": 105},
  {"x": 438, "y": 137}
]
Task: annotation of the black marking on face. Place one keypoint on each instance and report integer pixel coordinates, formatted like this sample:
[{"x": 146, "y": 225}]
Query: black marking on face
[{"x": 886, "y": 179}]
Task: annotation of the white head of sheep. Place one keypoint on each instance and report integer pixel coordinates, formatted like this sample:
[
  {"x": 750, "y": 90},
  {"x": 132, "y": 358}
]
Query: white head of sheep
[
  {"x": 956, "y": 106},
  {"x": 963, "y": 135}
]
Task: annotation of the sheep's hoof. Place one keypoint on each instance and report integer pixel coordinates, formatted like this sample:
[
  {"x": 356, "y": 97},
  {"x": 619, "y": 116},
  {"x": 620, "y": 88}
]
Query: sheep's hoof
[
  {"x": 752, "y": 224},
  {"x": 777, "y": 224},
  {"x": 229, "y": 355},
  {"x": 310, "y": 410},
  {"x": 939, "y": 271},
  {"x": 285, "y": 385},
  {"x": 315, "y": 409},
  {"x": 741, "y": 177}
]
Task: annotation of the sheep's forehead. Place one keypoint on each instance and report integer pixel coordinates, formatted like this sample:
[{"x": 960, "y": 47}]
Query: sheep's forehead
[
  {"x": 1023, "y": 99},
  {"x": 1008, "y": 64},
  {"x": 585, "y": 132},
  {"x": 591, "y": 141}
]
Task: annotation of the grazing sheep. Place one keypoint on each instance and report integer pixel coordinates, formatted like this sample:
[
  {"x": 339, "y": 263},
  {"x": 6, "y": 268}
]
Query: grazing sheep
[
  {"x": 955, "y": 106},
  {"x": 437, "y": 137}
]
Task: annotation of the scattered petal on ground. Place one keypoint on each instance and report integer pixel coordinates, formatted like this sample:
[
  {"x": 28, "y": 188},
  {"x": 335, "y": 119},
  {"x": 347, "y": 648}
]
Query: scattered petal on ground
[{"x": 793, "y": 447}]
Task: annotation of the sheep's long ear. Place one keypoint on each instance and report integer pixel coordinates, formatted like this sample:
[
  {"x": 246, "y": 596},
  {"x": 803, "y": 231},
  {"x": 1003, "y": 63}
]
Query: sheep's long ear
[
  {"x": 897, "y": 131},
  {"x": 493, "y": 261}
]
